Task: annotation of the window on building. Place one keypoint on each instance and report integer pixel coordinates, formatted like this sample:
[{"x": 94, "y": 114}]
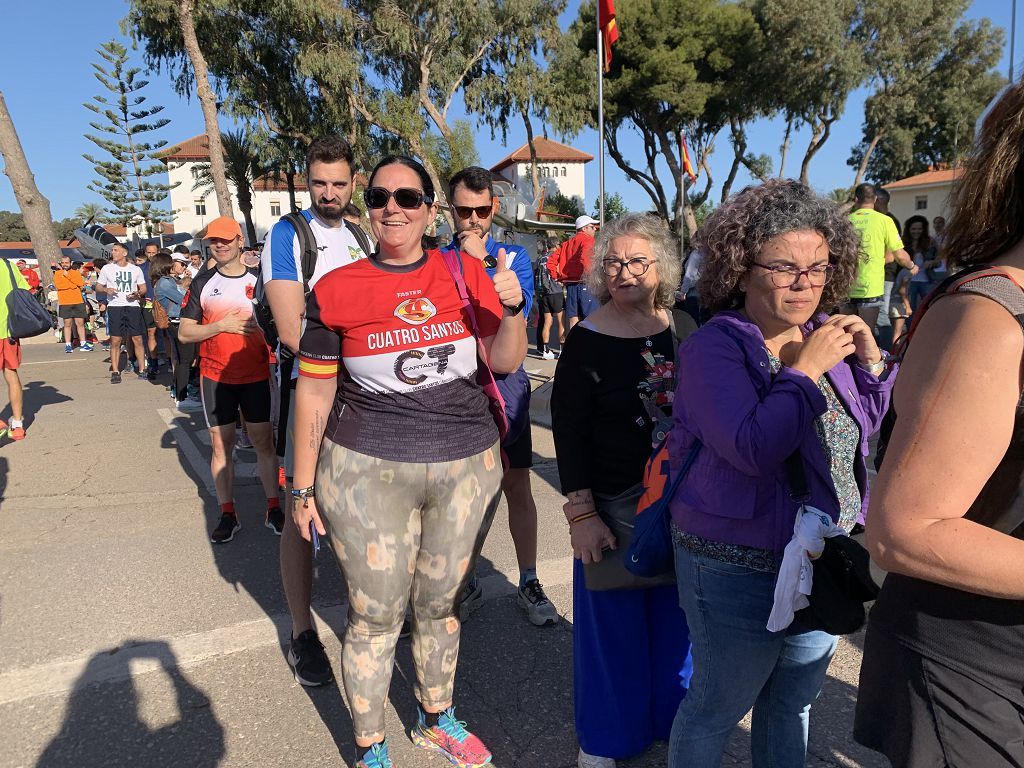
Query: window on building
[
  {"x": 275, "y": 207},
  {"x": 921, "y": 203},
  {"x": 564, "y": 172},
  {"x": 543, "y": 172},
  {"x": 200, "y": 207}
]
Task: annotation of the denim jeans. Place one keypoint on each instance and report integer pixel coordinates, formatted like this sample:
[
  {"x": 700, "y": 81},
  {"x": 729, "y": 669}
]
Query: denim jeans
[
  {"x": 738, "y": 665},
  {"x": 883, "y": 313}
]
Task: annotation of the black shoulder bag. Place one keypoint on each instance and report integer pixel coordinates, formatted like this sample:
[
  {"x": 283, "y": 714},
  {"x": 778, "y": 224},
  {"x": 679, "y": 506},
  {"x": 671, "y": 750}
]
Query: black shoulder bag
[{"x": 842, "y": 575}]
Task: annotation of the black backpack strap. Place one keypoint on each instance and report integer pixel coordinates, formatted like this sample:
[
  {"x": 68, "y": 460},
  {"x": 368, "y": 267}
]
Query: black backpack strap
[
  {"x": 360, "y": 236},
  {"x": 307, "y": 243}
]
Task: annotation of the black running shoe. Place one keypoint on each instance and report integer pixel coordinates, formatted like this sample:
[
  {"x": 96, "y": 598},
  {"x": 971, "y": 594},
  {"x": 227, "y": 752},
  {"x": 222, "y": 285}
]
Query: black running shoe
[
  {"x": 115, "y": 378},
  {"x": 225, "y": 530},
  {"x": 308, "y": 660},
  {"x": 275, "y": 520}
]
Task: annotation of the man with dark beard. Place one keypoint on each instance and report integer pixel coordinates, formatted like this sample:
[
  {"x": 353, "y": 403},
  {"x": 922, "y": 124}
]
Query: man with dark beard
[{"x": 329, "y": 180}]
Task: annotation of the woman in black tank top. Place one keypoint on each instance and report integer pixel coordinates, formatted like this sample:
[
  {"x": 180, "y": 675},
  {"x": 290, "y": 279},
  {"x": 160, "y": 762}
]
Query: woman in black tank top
[{"x": 942, "y": 681}]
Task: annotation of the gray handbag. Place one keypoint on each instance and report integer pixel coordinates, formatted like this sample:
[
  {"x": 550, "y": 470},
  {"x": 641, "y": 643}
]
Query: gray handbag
[{"x": 618, "y": 512}]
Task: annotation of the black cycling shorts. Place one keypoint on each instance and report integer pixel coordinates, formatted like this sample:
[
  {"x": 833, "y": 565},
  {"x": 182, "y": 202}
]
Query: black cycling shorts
[
  {"x": 222, "y": 402},
  {"x": 550, "y": 303},
  {"x": 520, "y": 451},
  {"x": 147, "y": 317}
]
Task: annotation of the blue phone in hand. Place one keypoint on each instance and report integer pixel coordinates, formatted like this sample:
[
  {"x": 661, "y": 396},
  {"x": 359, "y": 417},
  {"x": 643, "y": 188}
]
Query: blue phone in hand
[{"x": 314, "y": 537}]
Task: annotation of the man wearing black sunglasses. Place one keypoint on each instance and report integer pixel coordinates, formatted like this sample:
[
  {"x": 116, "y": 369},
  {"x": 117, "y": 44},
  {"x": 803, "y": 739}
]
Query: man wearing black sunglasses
[
  {"x": 471, "y": 194},
  {"x": 284, "y": 264}
]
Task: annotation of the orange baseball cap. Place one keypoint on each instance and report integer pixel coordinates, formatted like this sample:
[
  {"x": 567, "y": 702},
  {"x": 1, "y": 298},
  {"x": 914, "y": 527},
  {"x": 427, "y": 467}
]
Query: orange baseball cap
[{"x": 223, "y": 227}]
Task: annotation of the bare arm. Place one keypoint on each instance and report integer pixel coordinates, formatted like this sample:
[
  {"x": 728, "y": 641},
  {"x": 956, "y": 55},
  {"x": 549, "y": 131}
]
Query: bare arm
[
  {"x": 506, "y": 350},
  {"x": 235, "y": 321},
  {"x": 314, "y": 399},
  {"x": 901, "y": 257},
  {"x": 964, "y": 368},
  {"x": 287, "y": 304}
]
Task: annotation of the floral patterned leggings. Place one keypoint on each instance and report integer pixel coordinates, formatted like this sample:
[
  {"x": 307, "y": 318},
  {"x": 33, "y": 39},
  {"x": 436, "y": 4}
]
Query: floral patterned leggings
[{"x": 400, "y": 531}]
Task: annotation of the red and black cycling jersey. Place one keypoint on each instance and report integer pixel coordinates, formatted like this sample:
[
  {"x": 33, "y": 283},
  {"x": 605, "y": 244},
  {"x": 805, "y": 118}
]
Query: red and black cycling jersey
[
  {"x": 231, "y": 358},
  {"x": 402, "y": 346}
]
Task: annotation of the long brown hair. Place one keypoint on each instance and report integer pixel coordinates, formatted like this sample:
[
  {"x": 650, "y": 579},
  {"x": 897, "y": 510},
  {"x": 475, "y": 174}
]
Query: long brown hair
[
  {"x": 988, "y": 201},
  {"x": 925, "y": 241}
]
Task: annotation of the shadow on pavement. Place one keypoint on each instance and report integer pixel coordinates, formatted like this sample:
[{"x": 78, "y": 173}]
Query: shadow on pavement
[
  {"x": 36, "y": 396},
  {"x": 250, "y": 564},
  {"x": 105, "y": 724}
]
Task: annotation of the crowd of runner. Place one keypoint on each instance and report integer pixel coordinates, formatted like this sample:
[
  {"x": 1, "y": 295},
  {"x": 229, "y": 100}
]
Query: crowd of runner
[{"x": 378, "y": 376}]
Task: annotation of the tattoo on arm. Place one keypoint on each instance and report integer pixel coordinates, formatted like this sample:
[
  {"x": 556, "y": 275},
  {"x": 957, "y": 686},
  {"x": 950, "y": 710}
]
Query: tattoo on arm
[{"x": 316, "y": 431}]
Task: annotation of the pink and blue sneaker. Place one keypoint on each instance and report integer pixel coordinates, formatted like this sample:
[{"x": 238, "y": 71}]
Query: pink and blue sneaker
[{"x": 451, "y": 740}]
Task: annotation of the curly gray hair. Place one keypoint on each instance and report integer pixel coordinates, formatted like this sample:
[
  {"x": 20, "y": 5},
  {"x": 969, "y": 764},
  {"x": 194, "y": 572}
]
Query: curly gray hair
[
  {"x": 734, "y": 235},
  {"x": 664, "y": 248}
]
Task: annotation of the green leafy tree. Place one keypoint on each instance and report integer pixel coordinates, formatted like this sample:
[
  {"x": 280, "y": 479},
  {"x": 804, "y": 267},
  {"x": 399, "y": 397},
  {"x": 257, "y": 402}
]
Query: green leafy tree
[
  {"x": 931, "y": 75},
  {"x": 125, "y": 178},
  {"x": 675, "y": 69},
  {"x": 243, "y": 164},
  {"x": 614, "y": 206},
  {"x": 513, "y": 82},
  {"x": 568, "y": 207},
  {"x": 814, "y": 65},
  {"x": 12, "y": 228}
]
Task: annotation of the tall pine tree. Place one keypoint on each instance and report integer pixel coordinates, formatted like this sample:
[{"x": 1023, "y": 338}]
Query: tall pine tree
[{"x": 125, "y": 179}]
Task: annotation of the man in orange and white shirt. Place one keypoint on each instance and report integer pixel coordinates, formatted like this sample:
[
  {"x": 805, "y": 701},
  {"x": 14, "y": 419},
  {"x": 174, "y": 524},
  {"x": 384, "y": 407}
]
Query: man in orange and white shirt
[{"x": 234, "y": 369}]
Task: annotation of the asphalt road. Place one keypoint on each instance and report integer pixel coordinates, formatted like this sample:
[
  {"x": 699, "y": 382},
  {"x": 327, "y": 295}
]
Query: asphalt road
[{"x": 128, "y": 639}]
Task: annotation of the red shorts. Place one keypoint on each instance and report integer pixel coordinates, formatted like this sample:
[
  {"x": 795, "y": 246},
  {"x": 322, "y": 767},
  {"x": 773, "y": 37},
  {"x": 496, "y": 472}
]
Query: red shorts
[{"x": 10, "y": 354}]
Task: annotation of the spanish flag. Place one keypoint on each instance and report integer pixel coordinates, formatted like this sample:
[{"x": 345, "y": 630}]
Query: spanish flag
[
  {"x": 684, "y": 156},
  {"x": 609, "y": 29}
]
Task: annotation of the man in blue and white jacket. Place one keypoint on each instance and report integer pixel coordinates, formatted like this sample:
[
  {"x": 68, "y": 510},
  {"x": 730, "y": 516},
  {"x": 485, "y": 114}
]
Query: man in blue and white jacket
[{"x": 471, "y": 196}]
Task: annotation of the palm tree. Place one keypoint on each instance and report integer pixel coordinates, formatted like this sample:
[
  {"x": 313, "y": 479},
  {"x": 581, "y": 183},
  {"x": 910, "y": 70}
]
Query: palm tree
[
  {"x": 243, "y": 164},
  {"x": 89, "y": 212}
]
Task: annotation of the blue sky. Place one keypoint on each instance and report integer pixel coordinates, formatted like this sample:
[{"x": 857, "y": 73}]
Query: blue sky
[{"x": 46, "y": 58}]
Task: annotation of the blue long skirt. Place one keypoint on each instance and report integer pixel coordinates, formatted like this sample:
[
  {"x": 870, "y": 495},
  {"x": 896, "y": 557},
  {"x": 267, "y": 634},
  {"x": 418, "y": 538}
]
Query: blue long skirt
[{"x": 631, "y": 666}]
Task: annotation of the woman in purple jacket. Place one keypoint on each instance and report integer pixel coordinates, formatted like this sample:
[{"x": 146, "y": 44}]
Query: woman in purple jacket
[{"x": 768, "y": 376}]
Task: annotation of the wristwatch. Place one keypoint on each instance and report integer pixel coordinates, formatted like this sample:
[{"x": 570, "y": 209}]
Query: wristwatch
[{"x": 518, "y": 307}]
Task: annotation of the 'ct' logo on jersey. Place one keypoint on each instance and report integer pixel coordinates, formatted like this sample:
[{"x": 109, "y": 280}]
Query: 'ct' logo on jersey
[
  {"x": 415, "y": 311},
  {"x": 409, "y": 372}
]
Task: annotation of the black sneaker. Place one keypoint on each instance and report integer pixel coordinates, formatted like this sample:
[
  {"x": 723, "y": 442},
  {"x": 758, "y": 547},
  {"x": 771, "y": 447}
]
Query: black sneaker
[
  {"x": 308, "y": 660},
  {"x": 225, "y": 530},
  {"x": 538, "y": 607},
  {"x": 471, "y": 598},
  {"x": 115, "y": 378},
  {"x": 151, "y": 373},
  {"x": 275, "y": 520}
]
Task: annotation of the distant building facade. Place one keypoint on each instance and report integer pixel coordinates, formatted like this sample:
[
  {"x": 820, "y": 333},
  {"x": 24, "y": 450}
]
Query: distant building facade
[
  {"x": 561, "y": 169},
  {"x": 926, "y": 194},
  {"x": 195, "y": 208}
]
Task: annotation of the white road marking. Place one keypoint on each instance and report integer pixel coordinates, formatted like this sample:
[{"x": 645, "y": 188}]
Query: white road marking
[{"x": 106, "y": 664}]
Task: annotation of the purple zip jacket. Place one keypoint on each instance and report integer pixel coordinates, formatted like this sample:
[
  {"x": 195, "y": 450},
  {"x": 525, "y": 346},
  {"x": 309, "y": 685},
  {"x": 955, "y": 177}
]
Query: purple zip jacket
[{"x": 736, "y": 491}]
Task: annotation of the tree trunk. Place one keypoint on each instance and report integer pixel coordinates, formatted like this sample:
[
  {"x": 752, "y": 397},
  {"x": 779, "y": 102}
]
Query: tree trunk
[
  {"x": 209, "y": 104},
  {"x": 534, "y": 171},
  {"x": 289, "y": 178},
  {"x": 35, "y": 209},
  {"x": 784, "y": 149},
  {"x": 863, "y": 167},
  {"x": 818, "y": 139},
  {"x": 739, "y": 148},
  {"x": 435, "y": 177}
]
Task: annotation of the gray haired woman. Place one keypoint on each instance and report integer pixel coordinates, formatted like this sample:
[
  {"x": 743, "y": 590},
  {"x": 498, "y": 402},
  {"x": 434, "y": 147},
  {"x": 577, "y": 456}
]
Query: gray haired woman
[{"x": 612, "y": 398}]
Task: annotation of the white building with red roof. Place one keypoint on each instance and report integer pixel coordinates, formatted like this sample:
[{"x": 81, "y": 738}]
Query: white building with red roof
[
  {"x": 195, "y": 207},
  {"x": 561, "y": 169},
  {"x": 925, "y": 194}
]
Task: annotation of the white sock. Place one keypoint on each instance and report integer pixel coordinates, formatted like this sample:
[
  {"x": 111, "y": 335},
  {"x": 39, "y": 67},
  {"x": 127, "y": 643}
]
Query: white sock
[{"x": 15, "y": 423}]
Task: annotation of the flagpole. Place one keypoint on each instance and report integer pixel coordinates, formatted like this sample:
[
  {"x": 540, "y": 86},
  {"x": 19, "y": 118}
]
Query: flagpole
[
  {"x": 682, "y": 201},
  {"x": 600, "y": 120}
]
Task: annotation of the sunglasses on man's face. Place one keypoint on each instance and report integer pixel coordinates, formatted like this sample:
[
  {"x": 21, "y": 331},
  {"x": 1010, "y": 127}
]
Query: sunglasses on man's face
[
  {"x": 482, "y": 211},
  {"x": 410, "y": 199}
]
